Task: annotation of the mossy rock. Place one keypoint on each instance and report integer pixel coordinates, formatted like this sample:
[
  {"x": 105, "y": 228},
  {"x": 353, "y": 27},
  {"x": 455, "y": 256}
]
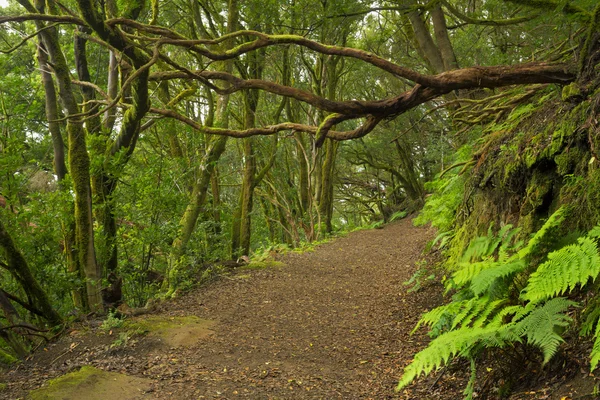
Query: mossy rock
[
  {"x": 92, "y": 384},
  {"x": 173, "y": 331}
]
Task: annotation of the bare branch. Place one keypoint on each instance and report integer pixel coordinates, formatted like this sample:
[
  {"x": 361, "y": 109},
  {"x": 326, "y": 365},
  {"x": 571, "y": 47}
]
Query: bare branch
[{"x": 61, "y": 19}]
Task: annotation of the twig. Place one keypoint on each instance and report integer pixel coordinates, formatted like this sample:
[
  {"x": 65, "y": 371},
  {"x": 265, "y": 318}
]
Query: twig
[{"x": 438, "y": 378}]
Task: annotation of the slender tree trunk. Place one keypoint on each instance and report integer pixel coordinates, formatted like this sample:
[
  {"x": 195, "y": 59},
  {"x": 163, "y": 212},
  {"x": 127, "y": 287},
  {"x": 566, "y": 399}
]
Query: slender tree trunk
[
  {"x": 303, "y": 178},
  {"x": 247, "y": 203},
  {"x": 188, "y": 221},
  {"x": 430, "y": 51},
  {"x": 19, "y": 269},
  {"x": 442, "y": 38},
  {"x": 79, "y": 167},
  {"x": 110, "y": 115},
  {"x": 60, "y": 168}
]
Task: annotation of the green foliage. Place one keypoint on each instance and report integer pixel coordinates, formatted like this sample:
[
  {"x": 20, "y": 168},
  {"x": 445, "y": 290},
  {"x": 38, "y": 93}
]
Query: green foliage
[
  {"x": 565, "y": 269},
  {"x": 539, "y": 326},
  {"x": 417, "y": 279},
  {"x": 485, "y": 313},
  {"x": 441, "y": 206},
  {"x": 443, "y": 348},
  {"x": 447, "y": 194},
  {"x": 111, "y": 322},
  {"x": 398, "y": 215}
]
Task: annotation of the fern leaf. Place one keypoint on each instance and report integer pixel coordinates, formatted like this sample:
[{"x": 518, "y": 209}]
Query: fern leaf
[
  {"x": 485, "y": 314},
  {"x": 565, "y": 269},
  {"x": 478, "y": 248},
  {"x": 508, "y": 233},
  {"x": 470, "y": 311},
  {"x": 595, "y": 232},
  {"x": 442, "y": 349},
  {"x": 539, "y": 326},
  {"x": 482, "y": 281},
  {"x": 595, "y": 354},
  {"x": 432, "y": 317},
  {"x": 468, "y": 271},
  {"x": 541, "y": 235}
]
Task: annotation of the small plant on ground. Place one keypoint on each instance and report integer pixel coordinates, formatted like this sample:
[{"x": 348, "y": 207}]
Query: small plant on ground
[
  {"x": 421, "y": 276},
  {"x": 111, "y": 322}
]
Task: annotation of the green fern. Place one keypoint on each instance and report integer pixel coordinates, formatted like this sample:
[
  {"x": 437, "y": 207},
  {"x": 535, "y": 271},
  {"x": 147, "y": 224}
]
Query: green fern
[
  {"x": 442, "y": 349},
  {"x": 442, "y": 239},
  {"x": 595, "y": 354},
  {"x": 440, "y": 314},
  {"x": 565, "y": 269},
  {"x": 539, "y": 326},
  {"x": 467, "y": 271},
  {"x": 482, "y": 316},
  {"x": 544, "y": 233},
  {"x": 482, "y": 282}
]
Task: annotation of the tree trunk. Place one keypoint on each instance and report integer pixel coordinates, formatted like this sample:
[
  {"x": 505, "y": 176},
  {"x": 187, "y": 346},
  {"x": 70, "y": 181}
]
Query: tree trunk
[
  {"x": 443, "y": 39},
  {"x": 19, "y": 269},
  {"x": 432, "y": 54},
  {"x": 79, "y": 167},
  {"x": 327, "y": 172}
]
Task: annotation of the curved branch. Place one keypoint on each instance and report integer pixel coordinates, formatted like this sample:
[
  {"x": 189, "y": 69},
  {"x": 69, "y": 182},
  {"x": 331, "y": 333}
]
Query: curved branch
[
  {"x": 26, "y": 38},
  {"x": 467, "y": 78},
  {"x": 370, "y": 123}
]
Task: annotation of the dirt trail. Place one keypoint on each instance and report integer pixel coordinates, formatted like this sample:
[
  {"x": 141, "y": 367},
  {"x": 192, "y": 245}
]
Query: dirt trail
[{"x": 329, "y": 324}]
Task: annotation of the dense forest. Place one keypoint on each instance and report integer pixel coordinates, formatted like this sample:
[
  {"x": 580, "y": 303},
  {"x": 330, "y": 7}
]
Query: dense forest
[{"x": 148, "y": 145}]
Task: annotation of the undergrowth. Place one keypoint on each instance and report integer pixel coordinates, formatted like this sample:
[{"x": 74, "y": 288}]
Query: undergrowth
[{"x": 508, "y": 292}]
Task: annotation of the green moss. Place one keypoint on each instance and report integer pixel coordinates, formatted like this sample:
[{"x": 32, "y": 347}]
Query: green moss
[
  {"x": 91, "y": 384},
  {"x": 263, "y": 264},
  {"x": 65, "y": 382},
  {"x": 7, "y": 358},
  {"x": 571, "y": 91},
  {"x": 163, "y": 324}
]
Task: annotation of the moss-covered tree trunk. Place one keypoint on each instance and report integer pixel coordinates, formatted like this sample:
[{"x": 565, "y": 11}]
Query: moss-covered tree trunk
[
  {"x": 79, "y": 167},
  {"x": 204, "y": 173},
  {"x": 327, "y": 176},
  {"x": 60, "y": 167}
]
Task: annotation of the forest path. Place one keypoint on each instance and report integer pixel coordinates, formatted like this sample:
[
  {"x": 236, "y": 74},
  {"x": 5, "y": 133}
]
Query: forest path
[{"x": 330, "y": 324}]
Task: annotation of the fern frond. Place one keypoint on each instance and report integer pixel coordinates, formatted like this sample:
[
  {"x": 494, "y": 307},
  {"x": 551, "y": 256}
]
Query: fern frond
[
  {"x": 595, "y": 354},
  {"x": 539, "y": 326},
  {"x": 478, "y": 248},
  {"x": 595, "y": 232},
  {"x": 507, "y": 233},
  {"x": 442, "y": 239},
  {"x": 565, "y": 269},
  {"x": 442, "y": 349},
  {"x": 553, "y": 222},
  {"x": 482, "y": 281},
  {"x": 468, "y": 271},
  {"x": 591, "y": 315},
  {"x": 471, "y": 309},
  {"x": 432, "y": 317},
  {"x": 485, "y": 314}
]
